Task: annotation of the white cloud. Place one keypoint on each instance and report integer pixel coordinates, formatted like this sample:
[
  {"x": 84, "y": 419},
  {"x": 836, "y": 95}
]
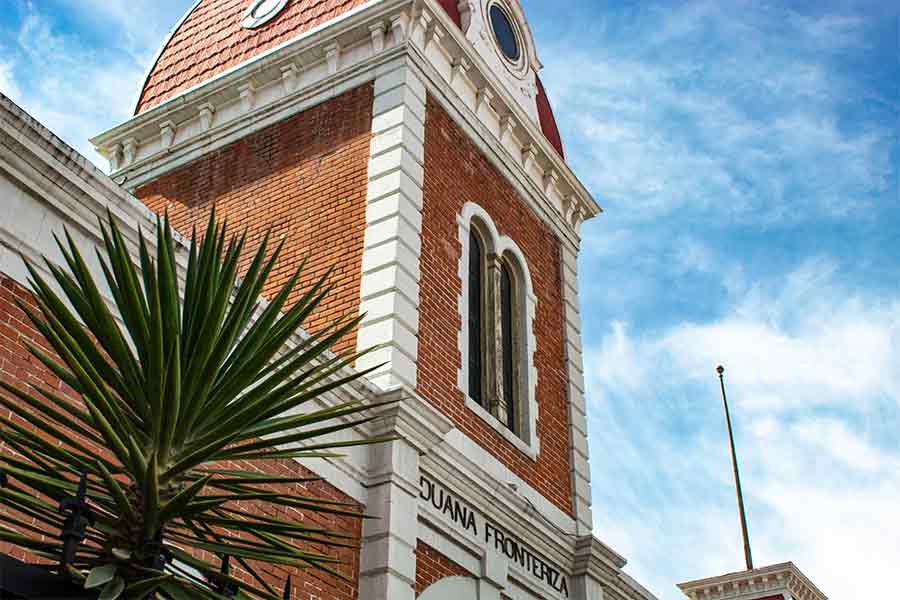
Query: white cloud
[
  {"x": 833, "y": 31},
  {"x": 139, "y": 26},
  {"x": 696, "y": 117},
  {"x": 75, "y": 90},
  {"x": 8, "y": 85},
  {"x": 812, "y": 374}
]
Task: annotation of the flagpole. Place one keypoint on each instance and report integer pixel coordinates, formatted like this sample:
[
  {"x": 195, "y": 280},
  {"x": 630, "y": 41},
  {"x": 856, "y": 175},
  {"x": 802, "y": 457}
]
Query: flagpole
[{"x": 737, "y": 477}]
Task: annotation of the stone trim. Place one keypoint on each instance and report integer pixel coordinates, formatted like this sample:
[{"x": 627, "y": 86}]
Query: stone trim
[
  {"x": 580, "y": 455},
  {"x": 390, "y": 280}
]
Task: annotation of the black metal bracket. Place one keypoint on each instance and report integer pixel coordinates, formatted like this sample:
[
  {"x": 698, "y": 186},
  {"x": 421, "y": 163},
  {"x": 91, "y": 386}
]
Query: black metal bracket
[{"x": 78, "y": 518}]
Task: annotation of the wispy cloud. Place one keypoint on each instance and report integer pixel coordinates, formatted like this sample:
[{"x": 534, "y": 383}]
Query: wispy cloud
[
  {"x": 722, "y": 110},
  {"x": 139, "y": 26},
  {"x": 8, "y": 83},
  {"x": 75, "y": 89},
  {"x": 812, "y": 369}
]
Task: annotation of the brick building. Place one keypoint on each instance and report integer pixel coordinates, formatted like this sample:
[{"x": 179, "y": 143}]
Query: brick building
[{"x": 409, "y": 146}]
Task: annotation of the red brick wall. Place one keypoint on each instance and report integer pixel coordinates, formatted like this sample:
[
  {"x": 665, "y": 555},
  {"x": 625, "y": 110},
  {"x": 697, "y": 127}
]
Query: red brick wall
[
  {"x": 17, "y": 366},
  {"x": 306, "y": 178},
  {"x": 432, "y": 566},
  {"x": 457, "y": 172}
]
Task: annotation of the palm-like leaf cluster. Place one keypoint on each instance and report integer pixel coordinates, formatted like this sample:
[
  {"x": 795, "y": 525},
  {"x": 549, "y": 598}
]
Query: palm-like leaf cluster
[{"x": 172, "y": 394}]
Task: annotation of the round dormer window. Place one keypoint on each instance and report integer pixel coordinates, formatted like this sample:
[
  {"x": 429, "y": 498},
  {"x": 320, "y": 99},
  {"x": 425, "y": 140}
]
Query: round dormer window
[
  {"x": 505, "y": 33},
  {"x": 261, "y": 12}
]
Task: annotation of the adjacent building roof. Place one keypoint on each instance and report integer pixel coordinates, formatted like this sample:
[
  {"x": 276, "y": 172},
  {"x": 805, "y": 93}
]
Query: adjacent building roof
[{"x": 210, "y": 40}]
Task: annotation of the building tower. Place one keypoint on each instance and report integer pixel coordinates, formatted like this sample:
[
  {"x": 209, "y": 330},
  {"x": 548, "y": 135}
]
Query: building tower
[{"x": 408, "y": 146}]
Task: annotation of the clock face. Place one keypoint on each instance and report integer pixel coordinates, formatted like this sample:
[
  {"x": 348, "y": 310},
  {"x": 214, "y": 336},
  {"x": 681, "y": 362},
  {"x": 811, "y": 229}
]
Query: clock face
[
  {"x": 261, "y": 11},
  {"x": 505, "y": 33}
]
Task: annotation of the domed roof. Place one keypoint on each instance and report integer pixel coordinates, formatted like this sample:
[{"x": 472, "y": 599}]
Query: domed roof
[{"x": 211, "y": 39}]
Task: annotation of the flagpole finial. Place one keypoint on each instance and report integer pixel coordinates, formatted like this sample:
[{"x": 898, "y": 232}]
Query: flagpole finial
[{"x": 720, "y": 370}]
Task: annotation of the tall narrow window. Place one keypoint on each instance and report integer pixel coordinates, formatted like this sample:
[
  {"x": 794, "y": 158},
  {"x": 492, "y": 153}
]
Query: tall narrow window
[
  {"x": 476, "y": 308},
  {"x": 508, "y": 335},
  {"x": 497, "y": 373}
]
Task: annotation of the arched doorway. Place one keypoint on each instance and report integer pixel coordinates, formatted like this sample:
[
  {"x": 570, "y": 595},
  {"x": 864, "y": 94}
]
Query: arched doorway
[{"x": 452, "y": 588}]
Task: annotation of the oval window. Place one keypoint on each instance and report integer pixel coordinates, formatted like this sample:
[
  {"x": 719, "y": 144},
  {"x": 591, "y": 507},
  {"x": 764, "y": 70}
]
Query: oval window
[
  {"x": 261, "y": 11},
  {"x": 505, "y": 33}
]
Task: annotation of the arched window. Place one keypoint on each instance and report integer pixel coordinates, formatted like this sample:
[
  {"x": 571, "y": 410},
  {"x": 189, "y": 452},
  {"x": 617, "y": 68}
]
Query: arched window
[
  {"x": 497, "y": 341},
  {"x": 476, "y": 318}
]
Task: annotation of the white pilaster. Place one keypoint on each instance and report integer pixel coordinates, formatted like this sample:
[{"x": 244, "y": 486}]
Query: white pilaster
[
  {"x": 388, "y": 557},
  {"x": 494, "y": 577},
  {"x": 581, "y": 476},
  {"x": 390, "y": 280},
  {"x": 593, "y": 563}
]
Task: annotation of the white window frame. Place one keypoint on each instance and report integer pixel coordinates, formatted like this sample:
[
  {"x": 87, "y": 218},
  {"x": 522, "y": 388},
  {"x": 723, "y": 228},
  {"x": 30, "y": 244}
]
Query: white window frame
[{"x": 527, "y": 440}]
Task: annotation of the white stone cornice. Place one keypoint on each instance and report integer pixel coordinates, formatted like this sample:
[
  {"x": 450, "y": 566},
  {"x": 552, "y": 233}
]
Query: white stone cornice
[
  {"x": 507, "y": 124},
  {"x": 247, "y": 92},
  {"x": 207, "y": 113},
  {"x": 483, "y": 98},
  {"x": 333, "y": 57},
  {"x": 290, "y": 77},
  {"x": 412, "y": 418},
  {"x": 129, "y": 150},
  {"x": 377, "y": 32},
  {"x": 529, "y": 156},
  {"x": 167, "y": 134},
  {"x": 349, "y": 30},
  {"x": 400, "y": 27}
]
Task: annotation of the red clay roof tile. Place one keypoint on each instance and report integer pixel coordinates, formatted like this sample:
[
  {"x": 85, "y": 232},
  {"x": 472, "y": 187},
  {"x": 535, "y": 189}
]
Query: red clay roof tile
[{"x": 211, "y": 40}]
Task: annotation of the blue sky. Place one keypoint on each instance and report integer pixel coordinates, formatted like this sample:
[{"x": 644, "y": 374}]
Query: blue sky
[{"x": 747, "y": 157}]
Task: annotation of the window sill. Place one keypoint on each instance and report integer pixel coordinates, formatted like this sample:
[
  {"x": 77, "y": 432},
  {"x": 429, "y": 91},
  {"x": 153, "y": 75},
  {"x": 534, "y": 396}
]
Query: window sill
[{"x": 531, "y": 450}]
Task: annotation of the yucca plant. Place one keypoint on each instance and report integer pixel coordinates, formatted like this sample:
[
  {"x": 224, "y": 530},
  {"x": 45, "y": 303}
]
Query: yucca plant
[{"x": 173, "y": 392}]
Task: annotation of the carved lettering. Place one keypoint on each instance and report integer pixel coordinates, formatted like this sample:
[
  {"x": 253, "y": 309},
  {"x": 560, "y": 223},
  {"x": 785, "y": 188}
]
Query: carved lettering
[{"x": 503, "y": 543}]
